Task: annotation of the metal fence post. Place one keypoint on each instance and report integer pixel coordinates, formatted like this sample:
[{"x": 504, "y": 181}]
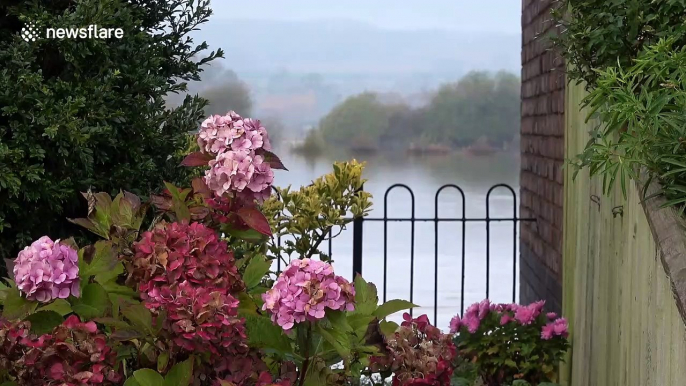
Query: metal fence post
[{"x": 357, "y": 246}]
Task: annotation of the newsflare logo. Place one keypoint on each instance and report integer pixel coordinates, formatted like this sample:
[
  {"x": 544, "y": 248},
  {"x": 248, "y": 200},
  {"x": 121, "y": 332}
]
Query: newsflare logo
[{"x": 30, "y": 32}]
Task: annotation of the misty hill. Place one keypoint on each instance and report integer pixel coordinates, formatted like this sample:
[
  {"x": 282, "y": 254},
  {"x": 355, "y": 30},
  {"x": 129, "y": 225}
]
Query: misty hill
[{"x": 341, "y": 47}]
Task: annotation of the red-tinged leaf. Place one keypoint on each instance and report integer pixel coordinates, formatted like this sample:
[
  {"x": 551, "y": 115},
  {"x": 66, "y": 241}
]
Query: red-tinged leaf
[
  {"x": 199, "y": 212},
  {"x": 255, "y": 220},
  {"x": 196, "y": 159},
  {"x": 161, "y": 202},
  {"x": 200, "y": 187},
  {"x": 272, "y": 159},
  {"x": 84, "y": 222}
]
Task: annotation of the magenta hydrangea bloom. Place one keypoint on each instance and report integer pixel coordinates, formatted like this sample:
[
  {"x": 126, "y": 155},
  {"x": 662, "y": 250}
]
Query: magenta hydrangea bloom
[
  {"x": 559, "y": 327},
  {"x": 527, "y": 314},
  {"x": 303, "y": 292},
  {"x": 47, "y": 270}
]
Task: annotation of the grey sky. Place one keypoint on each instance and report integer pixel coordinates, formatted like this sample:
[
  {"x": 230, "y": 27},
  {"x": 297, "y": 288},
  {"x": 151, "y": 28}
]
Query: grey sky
[{"x": 467, "y": 15}]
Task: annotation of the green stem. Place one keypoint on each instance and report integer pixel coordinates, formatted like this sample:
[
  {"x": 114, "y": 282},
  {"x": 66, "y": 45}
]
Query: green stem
[{"x": 306, "y": 362}]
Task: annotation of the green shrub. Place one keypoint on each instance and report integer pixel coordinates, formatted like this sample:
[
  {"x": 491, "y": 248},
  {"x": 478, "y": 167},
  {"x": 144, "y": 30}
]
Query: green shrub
[
  {"x": 598, "y": 34},
  {"x": 77, "y": 114},
  {"x": 641, "y": 108}
]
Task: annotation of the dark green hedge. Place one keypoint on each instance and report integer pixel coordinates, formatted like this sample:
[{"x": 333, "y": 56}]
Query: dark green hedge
[{"x": 90, "y": 113}]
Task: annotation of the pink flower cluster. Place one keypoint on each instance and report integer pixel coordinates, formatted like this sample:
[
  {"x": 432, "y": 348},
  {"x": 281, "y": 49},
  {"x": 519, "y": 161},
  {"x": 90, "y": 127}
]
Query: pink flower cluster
[
  {"x": 47, "y": 270},
  {"x": 522, "y": 314},
  {"x": 472, "y": 317},
  {"x": 202, "y": 319},
  {"x": 558, "y": 327},
  {"x": 239, "y": 167},
  {"x": 303, "y": 292},
  {"x": 177, "y": 252},
  {"x": 75, "y": 353}
]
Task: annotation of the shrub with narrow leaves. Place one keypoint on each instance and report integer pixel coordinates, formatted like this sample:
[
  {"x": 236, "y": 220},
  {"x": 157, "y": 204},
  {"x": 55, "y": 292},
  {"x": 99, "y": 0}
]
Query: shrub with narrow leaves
[
  {"x": 304, "y": 291},
  {"x": 47, "y": 270}
]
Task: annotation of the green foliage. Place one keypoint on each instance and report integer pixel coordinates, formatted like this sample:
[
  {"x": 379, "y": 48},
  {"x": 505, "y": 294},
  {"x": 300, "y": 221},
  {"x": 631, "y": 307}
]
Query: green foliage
[
  {"x": 599, "y": 34},
  {"x": 93, "y": 302},
  {"x": 480, "y": 105},
  {"x": 359, "y": 120},
  {"x": 499, "y": 354},
  {"x": 82, "y": 113},
  {"x": 640, "y": 110},
  {"x": 43, "y": 322},
  {"x": 316, "y": 212}
]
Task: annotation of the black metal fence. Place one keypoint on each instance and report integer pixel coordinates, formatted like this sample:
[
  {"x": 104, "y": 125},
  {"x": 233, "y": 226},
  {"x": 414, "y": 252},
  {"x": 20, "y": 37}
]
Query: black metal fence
[{"x": 358, "y": 232}]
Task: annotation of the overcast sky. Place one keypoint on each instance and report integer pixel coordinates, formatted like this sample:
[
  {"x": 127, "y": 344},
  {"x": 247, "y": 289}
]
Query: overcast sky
[{"x": 468, "y": 15}]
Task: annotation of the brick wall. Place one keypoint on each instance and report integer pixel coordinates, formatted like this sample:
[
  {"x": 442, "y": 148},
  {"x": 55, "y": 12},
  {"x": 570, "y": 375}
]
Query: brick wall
[{"x": 542, "y": 152}]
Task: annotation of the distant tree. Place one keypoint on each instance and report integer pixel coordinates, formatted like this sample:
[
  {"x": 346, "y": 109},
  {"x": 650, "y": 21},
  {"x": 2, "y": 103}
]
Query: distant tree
[
  {"x": 229, "y": 94},
  {"x": 360, "y": 119},
  {"x": 477, "y": 105},
  {"x": 90, "y": 113}
]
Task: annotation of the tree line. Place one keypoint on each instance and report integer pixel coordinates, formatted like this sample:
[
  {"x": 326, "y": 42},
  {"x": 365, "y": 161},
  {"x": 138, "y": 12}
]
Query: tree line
[{"x": 481, "y": 106}]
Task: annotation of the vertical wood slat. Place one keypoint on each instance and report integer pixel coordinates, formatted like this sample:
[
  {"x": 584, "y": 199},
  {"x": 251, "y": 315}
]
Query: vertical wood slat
[{"x": 625, "y": 325}]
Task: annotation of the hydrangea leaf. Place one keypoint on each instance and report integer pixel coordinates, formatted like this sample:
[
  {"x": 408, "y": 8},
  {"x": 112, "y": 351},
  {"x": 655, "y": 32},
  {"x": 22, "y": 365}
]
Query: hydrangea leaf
[
  {"x": 148, "y": 377},
  {"x": 17, "y": 306},
  {"x": 93, "y": 302},
  {"x": 255, "y": 271},
  {"x": 255, "y": 220},
  {"x": 262, "y": 333},
  {"x": 388, "y": 328},
  {"x": 391, "y": 307},
  {"x": 96, "y": 259},
  {"x": 272, "y": 159},
  {"x": 366, "y": 299},
  {"x": 140, "y": 317},
  {"x": 60, "y": 306},
  {"x": 132, "y": 382},
  {"x": 180, "y": 374},
  {"x": 337, "y": 333},
  {"x": 43, "y": 322},
  {"x": 196, "y": 159}
]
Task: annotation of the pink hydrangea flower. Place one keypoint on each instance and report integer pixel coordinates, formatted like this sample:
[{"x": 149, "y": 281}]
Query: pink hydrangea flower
[
  {"x": 239, "y": 167},
  {"x": 47, "y": 270},
  {"x": 202, "y": 319},
  {"x": 231, "y": 131},
  {"x": 304, "y": 291},
  {"x": 241, "y": 173},
  {"x": 455, "y": 324}
]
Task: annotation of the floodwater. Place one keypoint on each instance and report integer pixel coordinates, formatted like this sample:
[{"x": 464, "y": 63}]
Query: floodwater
[{"x": 475, "y": 175}]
